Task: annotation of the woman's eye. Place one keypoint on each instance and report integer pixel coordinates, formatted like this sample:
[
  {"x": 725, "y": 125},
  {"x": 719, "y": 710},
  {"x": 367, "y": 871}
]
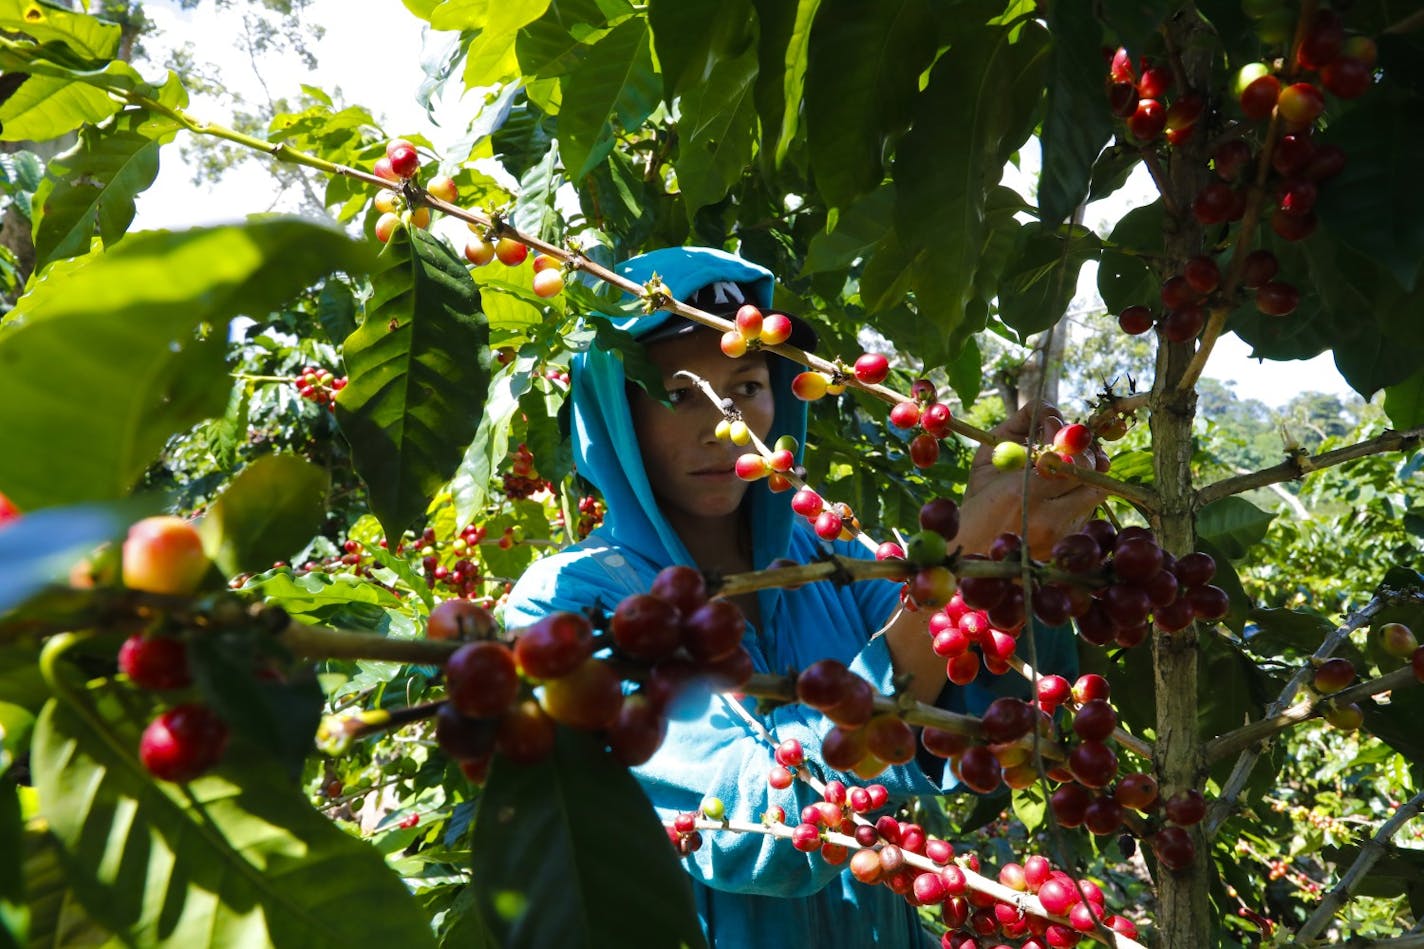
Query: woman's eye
[{"x": 750, "y": 388}]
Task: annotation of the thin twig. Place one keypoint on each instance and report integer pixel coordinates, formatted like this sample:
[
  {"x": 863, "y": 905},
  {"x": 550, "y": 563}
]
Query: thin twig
[
  {"x": 1225, "y": 802},
  {"x": 1248, "y": 735},
  {"x": 1300, "y": 465},
  {"x": 1369, "y": 855},
  {"x": 1026, "y": 902}
]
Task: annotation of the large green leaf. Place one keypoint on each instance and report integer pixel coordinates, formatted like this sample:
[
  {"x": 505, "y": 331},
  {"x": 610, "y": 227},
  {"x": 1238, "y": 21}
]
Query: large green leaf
[
  {"x": 783, "y": 39},
  {"x": 40, "y": 548},
  {"x": 687, "y": 33},
  {"x": 1404, "y": 403},
  {"x": 268, "y": 513},
  {"x": 1124, "y": 278},
  {"x": 490, "y": 58},
  {"x": 417, "y": 377},
  {"x": 88, "y": 36},
  {"x": 863, "y": 68},
  {"x": 55, "y": 916},
  {"x": 1042, "y": 277},
  {"x": 536, "y": 210},
  {"x": 237, "y": 857},
  {"x": 1076, "y": 126},
  {"x": 46, "y": 107},
  {"x": 556, "y": 42},
  {"x": 1375, "y": 205},
  {"x": 614, "y": 88},
  {"x": 966, "y": 120},
  {"x": 470, "y": 485},
  {"x": 93, "y": 183},
  {"x": 717, "y": 126},
  {"x": 857, "y": 230},
  {"x": 591, "y": 865},
  {"x": 1233, "y": 524},
  {"x": 144, "y": 326}
]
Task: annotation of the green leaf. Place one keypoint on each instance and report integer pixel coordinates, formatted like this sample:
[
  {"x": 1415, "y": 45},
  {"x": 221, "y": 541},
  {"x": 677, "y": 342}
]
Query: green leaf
[
  {"x": 784, "y": 39},
  {"x": 615, "y": 88},
  {"x": 470, "y": 485},
  {"x": 144, "y": 325},
  {"x": 689, "y": 33},
  {"x": 1281, "y": 631},
  {"x": 1136, "y": 22},
  {"x": 277, "y": 715},
  {"x": 1234, "y": 525},
  {"x": 716, "y": 129},
  {"x": 1043, "y": 276},
  {"x": 20, "y": 680},
  {"x": 1075, "y": 124},
  {"x": 39, "y": 548},
  {"x": 1111, "y": 171},
  {"x": 862, "y": 71},
  {"x": 580, "y": 814},
  {"x": 417, "y": 377},
  {"x": 1124, "y": 279},
  {"x": 55, "y": 916},
  {"x": 1029, "y": 806},
  {"x": 858, "y": 228},
  {"x": 93, "y": 183},
  {"x": 953, "y": 155},
  {"x": 490, "y": 58},
  {"x": 237, "y": 857},
  {"x": 268, "y": 513},
  {"x": 336, "y": 311},
  {"x": 46, "y": 107},
  {"x": 1374, "y": 205},
  {"x": 536, "y": 210},
  {"x": 1404, "y": 403},
  {"x": 337, "y": 600},
  {"x": 556, "y": 42},
  {"x": 88, "y": 36}
]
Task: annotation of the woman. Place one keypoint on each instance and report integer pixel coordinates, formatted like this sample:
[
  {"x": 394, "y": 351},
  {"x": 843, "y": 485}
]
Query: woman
[{"x": 673, "y": 498}]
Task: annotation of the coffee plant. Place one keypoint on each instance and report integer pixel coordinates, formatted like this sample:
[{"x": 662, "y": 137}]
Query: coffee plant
[{"x": 255, "y": 685}]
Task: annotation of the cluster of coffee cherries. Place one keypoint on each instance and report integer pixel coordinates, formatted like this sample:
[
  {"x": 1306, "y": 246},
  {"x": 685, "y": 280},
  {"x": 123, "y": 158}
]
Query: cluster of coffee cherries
[
  {"x": 401, "y": 163},
  {"x": 1332, "y": 675},
  {"x": 1069, "y": 444},
  {"x": 484, "y": 246},
  {"x": 830, "y": 521},
  {"x": 319, "y": 386},
  {"x": 753, "y": 466},
  {"x": 590, "y": 514},
  {"x": 753, "y": 330},
  {"x": 869, "y": 369},
  {"x": 1129, "y": 583},
  {"x": 509, "y": 699},
  {"x": 977, "y": 919},
  {"x": 523, "y": 479},
  {"x": 925, "y": 413},
  {"x": 165, "y": 555},
  {"x": 1141, "y": 101}
]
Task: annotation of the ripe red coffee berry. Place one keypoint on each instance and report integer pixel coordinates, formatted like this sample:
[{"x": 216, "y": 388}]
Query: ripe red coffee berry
[
  {"x": 1073, "y": 439},
  {"x": 681, "y": 586},
  {"x": 940, "y": 515},
  {"x": 1276, "y": 298},
  {"x": 790, "y": 753},
  {"x": 404, "y": 160},
  {"x": 980, "y": 770},
  {"x": 1135, "y": 320},
  {"x": 872, "y": 368},
  {"x": 775, "y": 329},
  {"x": 1202, "y": 274},
  {"x": 1185, "y": 808},
  {"x": 155, "y": 662},
  {"x": 924, "y": 450},
  {"x": 554, "y": 646},
  {"x": 1300, "y": 104},
  {"x": 459, "y": 619},
  {"x": 828, "y": 525},
  {"x": 481, "y": 679},
  {"x": 823, "y": 683},
  {"x": 905, "y": 414},
  {"x": 714, "y": 631},
  {"x": 183, "y": 742},
  {"x": 806, "y": 838},
  {"x": 1093, "y": 764},
  {"x": 936, "y": 419},
  {"x": 1332, "y": 675},
  {"x": 1174, "y": 848},
  {"x": 1094, "y": 721},
  {"x": 1147, "y": 120},
  {"x": 588, "y": 698},
  {"x": 646, "y": 627}
]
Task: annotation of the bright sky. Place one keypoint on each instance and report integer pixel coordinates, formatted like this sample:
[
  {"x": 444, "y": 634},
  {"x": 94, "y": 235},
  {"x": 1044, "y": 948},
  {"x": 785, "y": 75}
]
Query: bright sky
[{"x": 371, "y": 52}]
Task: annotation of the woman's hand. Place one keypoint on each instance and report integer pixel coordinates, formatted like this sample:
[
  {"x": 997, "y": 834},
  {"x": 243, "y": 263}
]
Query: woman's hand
[{"x": 993, "y": 500}]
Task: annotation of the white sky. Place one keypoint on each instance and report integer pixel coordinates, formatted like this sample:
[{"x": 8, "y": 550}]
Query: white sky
[{"x": 371, "y": 52}]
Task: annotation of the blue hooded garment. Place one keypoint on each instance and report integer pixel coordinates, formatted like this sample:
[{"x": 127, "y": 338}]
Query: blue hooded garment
[{"x": 751, "y": 889}]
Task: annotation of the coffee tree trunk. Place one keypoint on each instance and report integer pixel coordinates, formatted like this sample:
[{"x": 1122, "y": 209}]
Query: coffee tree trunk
[{"x": 1184, "y": 918}]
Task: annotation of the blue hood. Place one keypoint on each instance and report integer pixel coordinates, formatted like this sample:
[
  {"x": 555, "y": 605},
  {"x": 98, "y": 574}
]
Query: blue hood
[{"x": 606, "y": 449}]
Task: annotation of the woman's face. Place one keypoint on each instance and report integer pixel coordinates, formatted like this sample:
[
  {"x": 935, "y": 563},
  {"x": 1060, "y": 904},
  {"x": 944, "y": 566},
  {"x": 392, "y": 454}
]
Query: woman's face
[{"x": 690, "y": 469}]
